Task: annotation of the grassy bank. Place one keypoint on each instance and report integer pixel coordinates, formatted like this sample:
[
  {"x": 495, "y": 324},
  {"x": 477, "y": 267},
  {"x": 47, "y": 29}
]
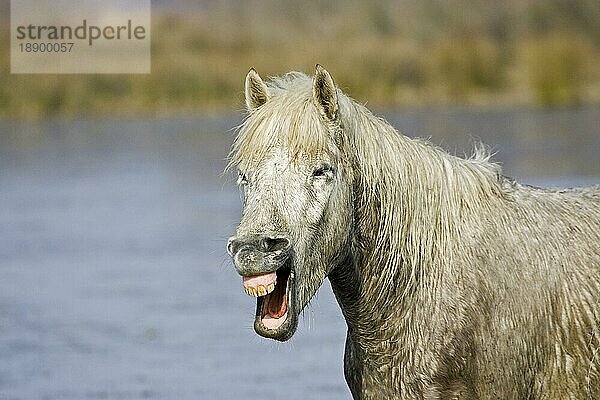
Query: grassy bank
[{"x": 421, "y": 53}]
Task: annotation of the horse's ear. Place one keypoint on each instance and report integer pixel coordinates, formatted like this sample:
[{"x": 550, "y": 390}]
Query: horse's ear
[
  {"x": 255, "y": 90},
  {"x": 325, "y": 94}
]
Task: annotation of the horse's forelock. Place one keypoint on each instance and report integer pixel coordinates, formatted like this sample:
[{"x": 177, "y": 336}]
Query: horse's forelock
[{"x": 289, "y": 120}]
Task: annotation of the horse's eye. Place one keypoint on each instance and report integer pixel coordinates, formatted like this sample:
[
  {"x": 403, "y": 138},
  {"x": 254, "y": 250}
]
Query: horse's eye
[{"x": 324, "y": 170}]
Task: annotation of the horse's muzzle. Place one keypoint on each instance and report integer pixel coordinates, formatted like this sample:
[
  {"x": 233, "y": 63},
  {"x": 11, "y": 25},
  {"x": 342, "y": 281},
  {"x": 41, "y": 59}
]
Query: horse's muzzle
[{"x": 258, "y": 254}]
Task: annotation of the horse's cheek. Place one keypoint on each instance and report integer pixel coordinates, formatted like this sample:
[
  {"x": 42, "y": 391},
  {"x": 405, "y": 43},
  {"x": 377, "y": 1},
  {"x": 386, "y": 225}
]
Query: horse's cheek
[
  {"x": 332, "y": 219},
  {"x": 338, "y": 219}
]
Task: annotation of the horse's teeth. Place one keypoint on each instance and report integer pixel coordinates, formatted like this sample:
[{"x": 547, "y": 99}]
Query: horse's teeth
[{"x": 261, "y": 290}]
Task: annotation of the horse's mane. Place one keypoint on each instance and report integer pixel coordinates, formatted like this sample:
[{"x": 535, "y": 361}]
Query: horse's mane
[
  {"x": 416, "y": 195},
  {"x": 411, "y": 192}
]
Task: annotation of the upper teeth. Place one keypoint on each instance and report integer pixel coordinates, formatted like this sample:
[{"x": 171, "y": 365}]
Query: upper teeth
[
  {"x": 260, "y": 285},
  {"x": 260, "y": 290}
]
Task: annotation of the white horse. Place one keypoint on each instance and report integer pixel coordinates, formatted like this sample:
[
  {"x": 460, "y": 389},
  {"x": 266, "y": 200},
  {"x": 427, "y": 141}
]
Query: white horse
[{"x": 455, "y": 281}]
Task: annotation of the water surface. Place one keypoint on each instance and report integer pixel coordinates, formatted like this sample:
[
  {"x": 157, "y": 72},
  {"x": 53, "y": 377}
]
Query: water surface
[{"x": 114, "y": 280}]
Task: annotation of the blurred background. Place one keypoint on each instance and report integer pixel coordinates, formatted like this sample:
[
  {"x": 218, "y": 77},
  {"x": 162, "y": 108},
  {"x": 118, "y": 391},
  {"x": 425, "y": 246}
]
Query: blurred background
[
  {"x": 393, "y": 53},
  {"x": 114, "y": 212}
]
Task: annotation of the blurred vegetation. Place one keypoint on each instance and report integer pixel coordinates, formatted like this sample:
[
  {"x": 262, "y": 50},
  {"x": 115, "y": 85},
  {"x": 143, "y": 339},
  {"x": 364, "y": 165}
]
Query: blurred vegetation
[{"x": 391, "y": 53}]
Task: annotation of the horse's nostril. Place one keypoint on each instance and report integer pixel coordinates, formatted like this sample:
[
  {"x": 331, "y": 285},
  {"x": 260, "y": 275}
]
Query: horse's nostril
[
  {"x": 232, "y": 246},
  {"x": 274, "y": 244}
]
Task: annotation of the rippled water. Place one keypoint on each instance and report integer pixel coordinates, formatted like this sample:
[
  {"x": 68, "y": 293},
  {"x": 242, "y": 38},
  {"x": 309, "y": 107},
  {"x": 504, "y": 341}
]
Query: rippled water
[{"x": 114, "y": 281}]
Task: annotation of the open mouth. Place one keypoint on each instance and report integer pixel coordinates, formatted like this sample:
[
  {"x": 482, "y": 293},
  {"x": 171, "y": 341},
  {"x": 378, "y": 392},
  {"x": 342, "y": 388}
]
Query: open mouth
[{"x": 275, "y": 316}]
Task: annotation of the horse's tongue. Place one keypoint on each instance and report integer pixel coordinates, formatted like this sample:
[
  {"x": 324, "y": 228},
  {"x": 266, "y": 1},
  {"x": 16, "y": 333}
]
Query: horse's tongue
[
  {"x": 259, "y": 280},
  {"x": 277, "y": 302}
]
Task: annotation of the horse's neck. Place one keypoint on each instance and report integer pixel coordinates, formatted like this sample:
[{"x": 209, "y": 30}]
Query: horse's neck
[
  {"x": 370, "y": 310},
  {"x": 362, "y": 289},
  {"x": 372, "y": 277},
  {"x": 347, "y": 286},
  {"x": 375, "y": 279}
]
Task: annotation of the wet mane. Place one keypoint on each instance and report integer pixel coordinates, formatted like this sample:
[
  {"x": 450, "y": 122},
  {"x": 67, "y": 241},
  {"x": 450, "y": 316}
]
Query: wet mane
[{"x": 416, "y": 195}]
